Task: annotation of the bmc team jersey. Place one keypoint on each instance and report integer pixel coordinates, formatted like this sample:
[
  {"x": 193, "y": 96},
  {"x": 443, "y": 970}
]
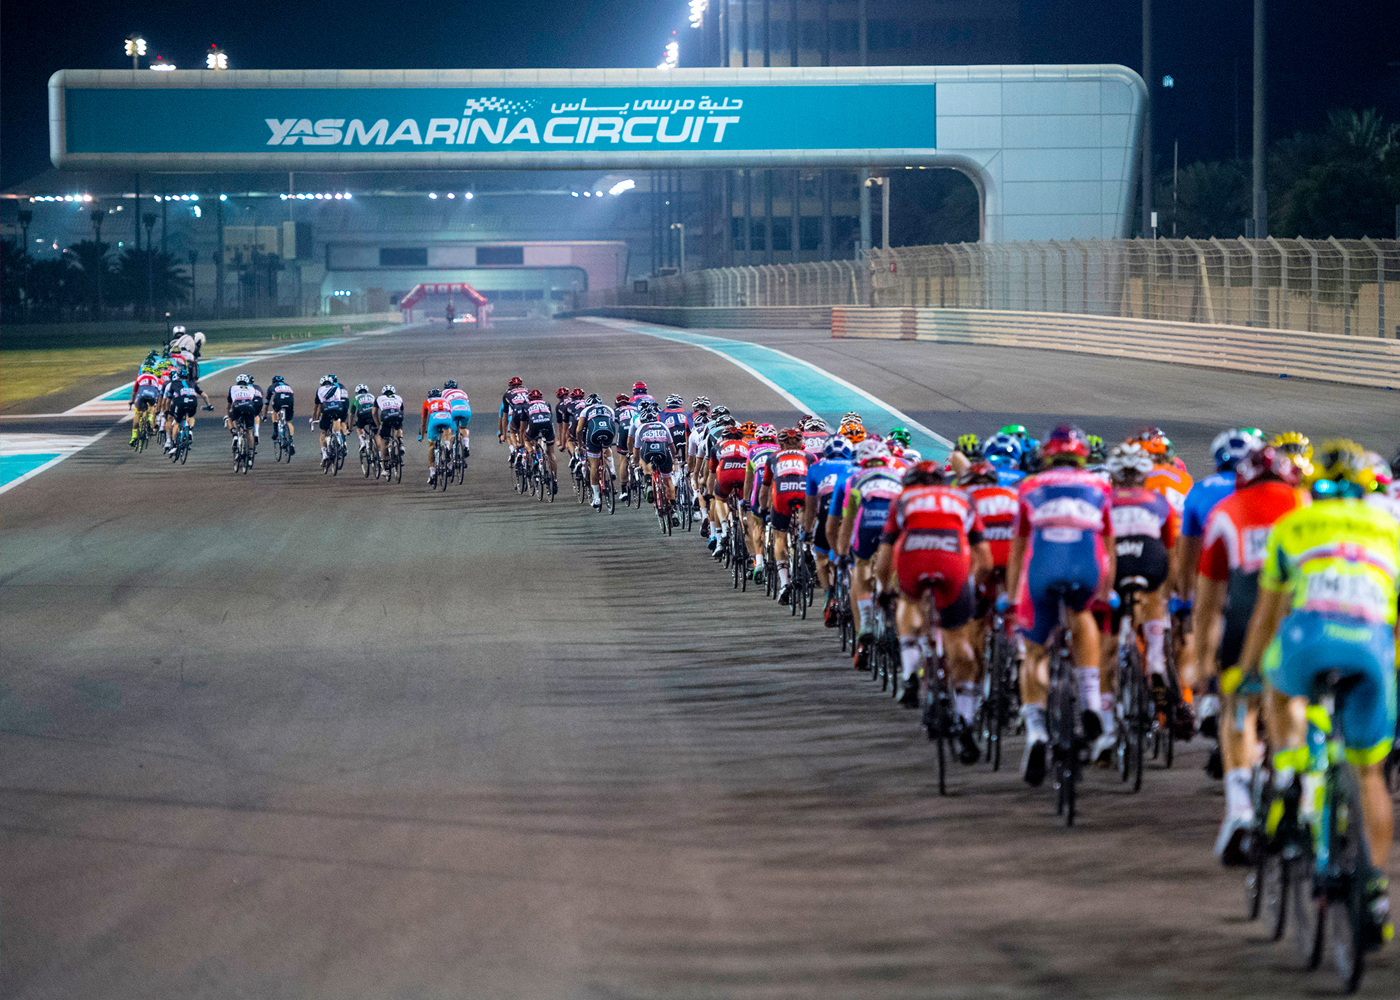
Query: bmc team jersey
[
  {"x": 1232, "y": 552},
  {"x": 1064, "y": 516},
  {"x": 785, "y": 473},
  {"x": 729, "y": 465},
  {"x": 1202, "y": 500},
  {"x": 933, "y": 529},
  {"x": 1338, "y": 559},
  {"x": 281, "y": 398},
  {"x": 996, "y": 506}
]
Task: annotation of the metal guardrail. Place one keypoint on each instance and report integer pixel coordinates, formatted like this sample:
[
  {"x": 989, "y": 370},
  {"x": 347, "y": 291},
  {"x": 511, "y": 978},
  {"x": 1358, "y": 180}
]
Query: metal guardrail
[{"x": 1322, "y": 286}]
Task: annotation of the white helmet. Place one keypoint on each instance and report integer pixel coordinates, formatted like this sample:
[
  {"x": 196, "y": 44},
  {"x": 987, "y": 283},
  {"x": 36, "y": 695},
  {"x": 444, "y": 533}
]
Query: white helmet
[
  {"x": 198, "y": 336},
  {"x": 1128, "y": 457},
  {"x": 870, "y": 450}
]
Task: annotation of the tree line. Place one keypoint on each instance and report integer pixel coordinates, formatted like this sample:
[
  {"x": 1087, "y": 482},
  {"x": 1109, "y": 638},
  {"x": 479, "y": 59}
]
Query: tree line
[
  {"x": 1341, "y": 181},
  {"x": 88, "y": 281}
]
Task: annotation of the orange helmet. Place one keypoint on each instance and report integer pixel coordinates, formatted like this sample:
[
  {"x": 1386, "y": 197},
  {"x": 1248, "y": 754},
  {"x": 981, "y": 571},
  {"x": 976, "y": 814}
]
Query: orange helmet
[
  {"x": 852, "y": 431},
  {"x": 749, "y": 428}
]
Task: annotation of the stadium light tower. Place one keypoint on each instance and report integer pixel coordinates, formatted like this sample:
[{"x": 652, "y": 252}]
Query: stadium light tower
[
  {"x": 216, "y": 58},
  {"x": 135, "y": 48}
]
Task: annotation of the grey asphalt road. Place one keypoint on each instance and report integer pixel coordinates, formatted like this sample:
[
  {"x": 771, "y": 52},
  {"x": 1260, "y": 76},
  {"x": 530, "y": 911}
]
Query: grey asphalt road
[{"x": 285, "y": 735}]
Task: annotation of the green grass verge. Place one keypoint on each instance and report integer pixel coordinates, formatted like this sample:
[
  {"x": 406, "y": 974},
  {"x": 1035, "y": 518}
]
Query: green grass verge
[
  {"x": 25, "y": 374},
  {"x": 16, "y": 338}
]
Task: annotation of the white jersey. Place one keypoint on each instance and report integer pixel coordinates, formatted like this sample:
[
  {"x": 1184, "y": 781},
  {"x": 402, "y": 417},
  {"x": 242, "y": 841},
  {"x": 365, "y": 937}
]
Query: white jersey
[
  {"x": 332, "y": 396},
  {"x": 389, "y": 406},
  {"x": 184, "y": 342},
  {"x": 242, "y": 395}
]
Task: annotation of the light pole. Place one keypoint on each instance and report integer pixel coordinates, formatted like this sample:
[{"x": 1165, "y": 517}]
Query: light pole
[
  {"x": 97, "y": 216},
  {"x": 26, "y": 216},
  {"x": 1147, "y": 119},
  {"x": 135, "y": 48},
  {"x": 1260, "y": 200},
  {"x": 884, "y": 184},
  {"x": 681, "y": 227},
  {"x": 216, "y": 58}
]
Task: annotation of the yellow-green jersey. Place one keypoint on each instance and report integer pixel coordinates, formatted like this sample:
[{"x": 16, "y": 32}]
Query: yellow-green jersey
[{"x": 1339, "y": 557}]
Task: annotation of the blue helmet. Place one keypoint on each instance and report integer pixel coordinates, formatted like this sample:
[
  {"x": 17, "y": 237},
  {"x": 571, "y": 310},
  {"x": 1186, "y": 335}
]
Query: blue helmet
[
  {"x": 1229, "y": 447},
  {"x": 1003, "y": 451},
  {"x": 838, "y": 447}
]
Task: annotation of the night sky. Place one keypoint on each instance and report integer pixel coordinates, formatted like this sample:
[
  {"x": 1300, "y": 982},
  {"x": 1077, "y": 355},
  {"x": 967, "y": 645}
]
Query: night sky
[{"x": 1322, "y": 56}]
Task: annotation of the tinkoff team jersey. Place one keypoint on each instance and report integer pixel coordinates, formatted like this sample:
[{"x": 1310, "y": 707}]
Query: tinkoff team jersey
[{"x": 1339, "y": 557}]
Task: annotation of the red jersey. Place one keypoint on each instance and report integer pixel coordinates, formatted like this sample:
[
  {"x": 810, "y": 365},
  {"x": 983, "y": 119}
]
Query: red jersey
[
  {"x": 944, "y": 514},
  {"x": 996, "y": 506},
  {"x": 436, "y": 405},
  {"x": 785, "y": 472},
  {"x": 1239, "y": 525}
]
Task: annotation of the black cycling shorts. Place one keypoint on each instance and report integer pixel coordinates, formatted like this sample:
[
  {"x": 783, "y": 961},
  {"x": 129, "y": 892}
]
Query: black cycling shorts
[
  {"x": 243, "y": 415},
  {"x": 364, "y": 418},
  {"x": 329, "y": 417},
  {"x": 185, "y": 408},
  {"x": 534, "y": 432},
  {"x": 390, "y": 423},
  {"x": 279, "y": 405},
  {"x": 659, "y": 461},
  {"x": 1144, "y": 561}
]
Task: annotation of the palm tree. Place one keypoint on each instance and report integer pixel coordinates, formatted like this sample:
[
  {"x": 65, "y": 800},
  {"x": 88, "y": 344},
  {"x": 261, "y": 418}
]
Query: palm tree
[
  {"x": 91, "y": 256},
  {"x": 143, "y": 274},
  {"x": 14, "y": 265},
  {"x": 1212, "y": 199}
]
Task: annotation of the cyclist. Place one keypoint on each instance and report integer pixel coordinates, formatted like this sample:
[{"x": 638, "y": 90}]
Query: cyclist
[
  {"x": 784, "y": 490},
  {"x": 824, "y": 478},
  {"x": 1004, "y": 453},
  {"x": 511, "y": 416},
  {"x": 932, "y": 546},
  {"x": 1144, "y": 533},
  {"x": 654, "y": 449},
  {"x": 870, "y": 489},
  {"x": 539, "y": 424},
  {"x": 1062, "y": 548},
  {"x": 461, "y": 409},
  {"x": 1098, "y": 457},
  {"x": 626, "y": 413},
  {"x": 969, "y": 446},
  {"x": 996, "y": 505},
  {"x": 281, "y": 405},
  {"x": 677, "y": 421},
  {"x": 332, "y": 405},
  {"x": 1233, "y": 548},
  {"x": 1167, "y": 477},
  {"x": 816, "y": 432},
  {"x": 437, "y": 424},
  {"x": 564, "y": 418},
  {"x": 597, "y": 429},
  {"x": 1327, "y": 602},
  {"x": 362, "y": 415},
  {"x": 640, "y": 394},
  {"x": 243, "y": 405},
  {"x": 1226, "y": 450},
  {"x": 728, "y": 471},
  {"x": 1030, "y": 458},
  {"x": 388, "y": 406},
  {"x": 183, "y": 395},
  {"x": 765, "y": 442},
  {"x": 145, "y": 395}
]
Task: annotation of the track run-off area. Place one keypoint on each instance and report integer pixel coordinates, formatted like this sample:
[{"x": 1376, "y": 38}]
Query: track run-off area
[{"x": 292, "y": 735}]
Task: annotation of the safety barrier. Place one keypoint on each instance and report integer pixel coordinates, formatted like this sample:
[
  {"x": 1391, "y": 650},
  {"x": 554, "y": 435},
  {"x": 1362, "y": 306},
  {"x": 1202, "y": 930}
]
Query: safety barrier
[
  {"x": 1356, "y": 360},
  {"x": 718, "y": 317}
]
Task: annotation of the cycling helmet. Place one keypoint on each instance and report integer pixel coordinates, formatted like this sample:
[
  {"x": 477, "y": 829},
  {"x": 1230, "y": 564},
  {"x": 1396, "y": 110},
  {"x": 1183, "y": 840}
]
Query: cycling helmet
[
  {"x": 896, "y": 449},
  {"x": 434, "y": 393},
  {"x": 902, "y": 435},
  {"x": 1098, "y": 451},
  {"x": 675, "y": 400},
  {"x": 1229, "y": 447},
  {"x": 839, "y": 448},
  {"x": 326, "y": 380},
  {"x": 791, "y": 434},
  {"x": 333, "y": 379},
  {"x": 978, "y": 474},
  {"x": 766, "y": 432},
  {"x": 199, "y": 339},
  {"x": 278, "y": 380},
  {"x": 852, "y": 418},
  {"x": 1068, "y": 444},
  {"x": 1128, "y": 461},
  {"x": 515, "y": 382},
  {"x": 177, "y": 329},
  {"x": 1263, "y": 460},
  {"x": 913, "y": 455},
  {"x": 853, "y": 430},
  {"x": 872, "y": 453},
  {"x": 1292, "y": 443},
  {"x": 925, "y": 474},
  {"x": 450, "y": 384},
  {"x": 970, "y": 445},
  {"x": 562, "y": 392},
  {"x": 1017, "y": 431},
  {"x": 388, "y": 390},
  {"x": 732, "y": 432},
  {"x": 1341, "y": 470},
  {"x": 817, "y": 424},
  {"x": 575, "y": 393},
  {"x": 749, "y": 428},
  {"x": 719, "y": 411},
  {"x": 639, "y": 387},
  {"x": 593, "y": 397},
  {"x": 726, "y": 420},
  {"x": 1003, "y": 451},
  {"x": 243, "y": 379},
  {"x": 701, "y": 403},
  {"x": 536, "y": 394},
  {"x": 621, "y": 398},
  {"x": 362, "y": 388}
]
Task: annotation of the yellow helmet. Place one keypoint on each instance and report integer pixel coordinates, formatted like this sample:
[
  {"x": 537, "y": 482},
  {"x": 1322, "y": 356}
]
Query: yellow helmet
[
  {"x": 1341, "y": 462},
  {"x": 1292, "y": 443}
]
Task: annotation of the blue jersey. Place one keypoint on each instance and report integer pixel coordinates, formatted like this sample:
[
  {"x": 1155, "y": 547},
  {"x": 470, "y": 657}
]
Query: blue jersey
[
  {"x": 838, "y": 488},
  {"x": 825, "y": 477},
  {"x": 678, "y": 423},
  {"x": 1009, "y": 477},
  {"x": 1202, "y": 498}
]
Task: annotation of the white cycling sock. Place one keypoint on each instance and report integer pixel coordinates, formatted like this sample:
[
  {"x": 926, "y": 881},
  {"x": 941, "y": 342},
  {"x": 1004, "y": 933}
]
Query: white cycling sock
[
  {"x": 1089, "y": 696},
  {"x": 782, "y": 575},
  {"x": 324, "y": 452},
  {"x": 1238, "y": 800},
  {"x": 1156, "y": 630},
  {"x": 1034, "y": 716},
  {"x": 597, "y": 494},
  {"x": 1107, "y": 704},
  {"x": 865, "y": 605},
  {"x": 909, "y": 655},
  {"x": 965, "y": 698}
]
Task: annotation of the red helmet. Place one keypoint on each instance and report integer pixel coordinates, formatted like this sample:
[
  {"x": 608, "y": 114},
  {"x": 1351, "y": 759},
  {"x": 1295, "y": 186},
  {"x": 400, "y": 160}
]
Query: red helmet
[
  {"x": 536, "y": 394},
  {"x": 576, "y": 394},
  {"x": 639, "y": 387},
  {"x": 925, "y": 473},
  {"x": 561, "y": 392},
  {"x": 790, "y": 434},
  {"x": 1266, "y": 460},
  {"x": 515, "y": 382},
  {"x": 622, "y": 397},
  {"x": 978, "y": 472},
  {"x": 1067, "y": 440}
]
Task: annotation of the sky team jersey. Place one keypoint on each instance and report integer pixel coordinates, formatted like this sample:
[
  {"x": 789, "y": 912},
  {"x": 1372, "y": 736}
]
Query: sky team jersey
[
  {"x": 281, "y": 396},
  {"x": 1140, "y": 513},
  {"x": 1201, "y": 500},
  {"x": 996, "y": 506},
  {"x": 1338, "y": 557},
  {"x": 1172, "y": 482},
  {"x": 937, "y": 510},
  {"x": 678, "y": 423}
]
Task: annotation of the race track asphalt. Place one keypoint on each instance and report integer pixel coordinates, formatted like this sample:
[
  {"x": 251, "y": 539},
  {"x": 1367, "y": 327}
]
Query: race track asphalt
[{"x": 287, "y": 735}]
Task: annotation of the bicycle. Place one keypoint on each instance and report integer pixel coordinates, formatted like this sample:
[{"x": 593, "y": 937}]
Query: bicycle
[
  {"x": 443, "y": 462},
  {"x": 664, "y": 510},
  {"x": 281, "y": 439},
  {"x": 184, "y": 439},
  {"x": 1001, "y": 690},
  {"x": 1136, "y": 712},
  {"x": 242, "y": 449},
  {"x": 738, "y": 556},
  {"x": 335, "y": 454},
  {"x": 771, "y": 586},
  {"x": 459, "y": 459},
  {"x": 802, "y": 573},
  {"x": 144, "y": 429},
  {"x": 607, "y": 485},
  {"x": 1068, "y": 742},
  {"x": 544, "y": 479},
  {"x": 847, "y": 625},
  {"x": 885, "y": 660},
  {"x": 685, "y": 501},
  {"x": 393, "y": 465}
]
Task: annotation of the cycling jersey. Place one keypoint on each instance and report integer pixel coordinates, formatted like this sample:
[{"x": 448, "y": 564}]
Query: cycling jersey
[
  {"x": 1339, "y": 560},
  {"x": 1201, "y": 499},
  {"x": 513, "y": 404},
  {"x": 1010, "y": 477},
  {"x": 678, "y": 423},
  {"x": 459, "y": 405},
  {"x": 437, "y": 416},
  {"x": 814, "y": 443},
  {"x": 933, "y": 529},
  {"x": 758, "y": 458},
  {"x": 869, "y": 493},
  {"x": 281, "y": 398},
  {"x": 996, "y": 506},
  {"x": 1172, "y": 481},
  {"x": 599, "y": 427},
  {"x": 642, "y": 397},
  {"x": 653, "y": 442},
  {"x": 1144, "y": 528},
  {"x": 729, "y": 465},
  {"x": 785, "y": 474},
  {"x": 539, "y": 418},
  {"x": 362, "y": 408},
  {"x": 626, "y": 417},
  {"x": 1232, "y": 553},
  {"x": 390, "y": 414},
  {"x": 184, "y": 399},
  {"x": 1064, "y": 516},
  {"x": 333, "y": 397}
]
